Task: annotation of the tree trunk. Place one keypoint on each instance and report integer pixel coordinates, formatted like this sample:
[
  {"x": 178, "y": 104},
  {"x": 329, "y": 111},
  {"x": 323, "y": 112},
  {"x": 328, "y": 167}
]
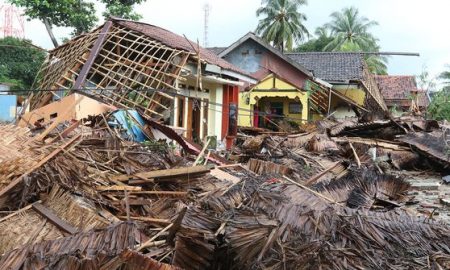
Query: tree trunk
[{"x": 50, "y": 32}]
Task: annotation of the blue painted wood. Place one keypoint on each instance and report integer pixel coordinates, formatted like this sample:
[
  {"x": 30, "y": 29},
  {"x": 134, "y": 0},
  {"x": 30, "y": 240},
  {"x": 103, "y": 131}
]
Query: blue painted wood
[{"x": 8, "y": 107}]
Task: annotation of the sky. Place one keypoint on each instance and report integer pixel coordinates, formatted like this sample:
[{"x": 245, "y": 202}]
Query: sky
[{"x": 404, "y": 25}]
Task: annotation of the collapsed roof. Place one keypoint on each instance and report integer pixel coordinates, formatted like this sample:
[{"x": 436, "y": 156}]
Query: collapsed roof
[{"x": 126, "y": 64}]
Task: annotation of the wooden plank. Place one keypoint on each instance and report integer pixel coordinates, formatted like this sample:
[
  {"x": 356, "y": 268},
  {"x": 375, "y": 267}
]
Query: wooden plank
[
  {"x": 54, "y": 219},
  {"x": 17, "y": 212},
  {"x": 222, "y": 175},
  {"x": 161, "y": 193},
  {"x": 135, "y": 202},
  {"x": 185, "y": 171},
  {"x": 66, "y": 131},
  {"x": 118, "y": 188},
  {"x": 40, "y": 163},
  {"x": 60, "y": 118},
  {"x": 148, "y": 219},
  {"x": 313, "y": 179}
]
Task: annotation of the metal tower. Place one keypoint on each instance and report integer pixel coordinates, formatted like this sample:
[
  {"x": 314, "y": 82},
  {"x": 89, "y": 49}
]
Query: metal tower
[
  {"x": 206, "y": 9},
  {"x": 11, "y": 22}
]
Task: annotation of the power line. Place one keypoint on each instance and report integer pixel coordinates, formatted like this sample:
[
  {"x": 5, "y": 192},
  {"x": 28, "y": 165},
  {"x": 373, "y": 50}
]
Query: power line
[{"x": 171, "y": 92}]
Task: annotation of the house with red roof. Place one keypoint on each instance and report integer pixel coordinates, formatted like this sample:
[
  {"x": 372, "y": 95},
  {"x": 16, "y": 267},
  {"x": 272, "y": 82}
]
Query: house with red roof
[{"x": 401, "y": 92}]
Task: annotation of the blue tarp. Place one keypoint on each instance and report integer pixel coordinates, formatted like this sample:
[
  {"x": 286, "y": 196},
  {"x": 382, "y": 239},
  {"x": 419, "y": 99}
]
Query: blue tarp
[
  {"x": 8, "y": 106},
  {"x": 130, "y": 122}
]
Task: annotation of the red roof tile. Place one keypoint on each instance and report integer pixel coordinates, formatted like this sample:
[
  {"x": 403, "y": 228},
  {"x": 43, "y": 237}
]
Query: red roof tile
[
  {"x": 178, "y": 42},
  {"x": 396, "y": 87},
  {"x": 400, "y": 88}
]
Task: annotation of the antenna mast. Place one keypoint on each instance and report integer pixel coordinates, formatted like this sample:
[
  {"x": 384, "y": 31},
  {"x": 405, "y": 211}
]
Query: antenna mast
[
  {"x": 11, "y": 22},
  {"x": 206, "y": 9}
]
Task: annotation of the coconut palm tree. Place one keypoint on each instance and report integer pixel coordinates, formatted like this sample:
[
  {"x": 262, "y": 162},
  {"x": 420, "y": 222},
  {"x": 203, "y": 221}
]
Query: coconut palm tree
[
  {"x": 347, "y": 27},
  {"x": 350, "y": 32},
  {"x": 283, "y": 23}
]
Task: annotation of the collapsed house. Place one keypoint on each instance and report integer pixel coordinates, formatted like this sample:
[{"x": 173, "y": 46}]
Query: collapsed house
[
  {"x": 401, "y": 93},
  {"x": 136, "y": 65},
  {"x": 349, "y": 75}
]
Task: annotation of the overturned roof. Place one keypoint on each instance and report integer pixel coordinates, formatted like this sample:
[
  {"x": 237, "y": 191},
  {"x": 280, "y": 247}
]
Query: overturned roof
[
  {"x": 332, "y": 66},
  {"x": 178, "y": 42}
]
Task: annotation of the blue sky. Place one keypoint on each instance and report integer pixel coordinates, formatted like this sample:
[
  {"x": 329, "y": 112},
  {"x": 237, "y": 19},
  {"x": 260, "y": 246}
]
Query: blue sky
[{"x": 404, "y": 25}]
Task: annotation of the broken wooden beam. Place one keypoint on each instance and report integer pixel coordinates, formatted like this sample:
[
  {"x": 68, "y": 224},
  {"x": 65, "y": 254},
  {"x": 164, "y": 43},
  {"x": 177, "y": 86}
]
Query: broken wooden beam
[
  {"x": 54, "y": 219},
  {"x": 148, "y": 219},
  {"x": 185, "y": 171}
]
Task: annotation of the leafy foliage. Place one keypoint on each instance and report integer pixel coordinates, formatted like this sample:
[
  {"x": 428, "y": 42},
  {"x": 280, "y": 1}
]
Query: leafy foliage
[
  {"x": 351, "y": 32},
  {"x": 445, "y": 77},
  {"x": 122, "y": 9},
  {"x": 317, "y": 44},
  {"x": 67, "y": 13},
  {"x": 283, "y": 23},
  {"x": 19, "y": 62},
  {"x": 348, "y": 28},
  {"x": 439, "y": 107}
]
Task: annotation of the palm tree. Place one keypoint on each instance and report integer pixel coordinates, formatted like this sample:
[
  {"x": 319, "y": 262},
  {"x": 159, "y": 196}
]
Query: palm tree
[
  {"x": 350, "y": 32},
  {"x": 348, "y": 26},
  {"x": 283, "y": 23}
]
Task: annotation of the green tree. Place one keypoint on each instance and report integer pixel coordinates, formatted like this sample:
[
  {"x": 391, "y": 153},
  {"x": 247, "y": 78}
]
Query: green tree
[
  {"x": 445, "y": 77},
  {"x": 439, "y": 107},
  {"x": 351, "y": 32},
  {"x": 317, "y": 44},
  {"x": 122, "y": 9},
  {"x": 67, "y": 13},
  {"x": 78, "y": 14},
  {"x": 282, "y": 24},
  {"x": 19, "y": 62},
  {"x": 349, "y": 28}
]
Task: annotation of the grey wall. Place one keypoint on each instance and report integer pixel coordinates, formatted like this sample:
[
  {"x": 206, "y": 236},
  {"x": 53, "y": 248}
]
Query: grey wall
[{"x": 247, "y": 56}]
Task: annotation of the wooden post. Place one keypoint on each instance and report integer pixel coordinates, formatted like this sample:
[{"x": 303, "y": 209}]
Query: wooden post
[
  {"x": 176, "y": 111},
  {"x": 185, "y": 116},
  {"x": 202, "y": 117}
]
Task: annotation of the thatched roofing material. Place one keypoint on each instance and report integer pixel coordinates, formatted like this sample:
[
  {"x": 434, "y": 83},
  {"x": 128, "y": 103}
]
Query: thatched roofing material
[{"x": 109, "y": 242}]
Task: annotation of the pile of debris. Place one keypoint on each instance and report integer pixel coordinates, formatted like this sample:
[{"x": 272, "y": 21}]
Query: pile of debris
[{"x": 86, "y": 195}]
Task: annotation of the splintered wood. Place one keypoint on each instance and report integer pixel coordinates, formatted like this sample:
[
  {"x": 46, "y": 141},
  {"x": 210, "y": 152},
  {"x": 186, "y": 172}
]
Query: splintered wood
[{"x": 265, "y": 167}]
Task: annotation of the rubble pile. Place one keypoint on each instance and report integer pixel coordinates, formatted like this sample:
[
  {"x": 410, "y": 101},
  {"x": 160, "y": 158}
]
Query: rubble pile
[{"x": 83, "y": 195}]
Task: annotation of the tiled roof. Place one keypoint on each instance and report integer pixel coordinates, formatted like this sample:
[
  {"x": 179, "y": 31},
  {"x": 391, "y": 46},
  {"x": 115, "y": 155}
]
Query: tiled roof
[
  {"x": 400, "y": 88},
  {"x": 332, "y": 66},
  {"x": 396, "y": 87},
  {"x": 178, "y": 42},
  {"x": 216, "y": 50}
]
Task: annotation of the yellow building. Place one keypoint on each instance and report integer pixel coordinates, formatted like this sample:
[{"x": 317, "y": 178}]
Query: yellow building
[{"x": 272, "y": 97}]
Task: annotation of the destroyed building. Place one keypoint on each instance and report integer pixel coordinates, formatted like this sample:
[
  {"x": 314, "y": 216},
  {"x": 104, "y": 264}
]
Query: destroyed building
[
  {"x": 136, "y": 65},
  {"x": 348, "y": 74},
  {"x": 401, "y": 93},
  {"x": 123, "y": 187}
]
